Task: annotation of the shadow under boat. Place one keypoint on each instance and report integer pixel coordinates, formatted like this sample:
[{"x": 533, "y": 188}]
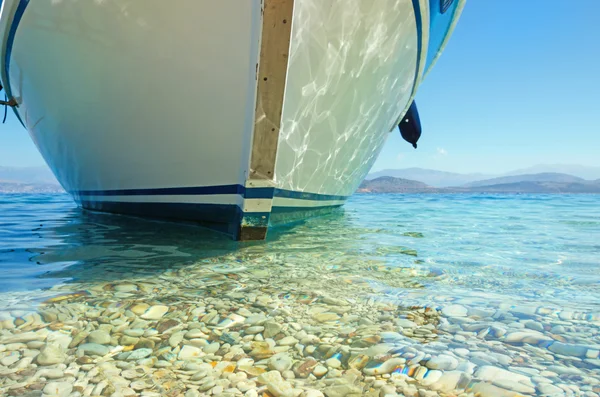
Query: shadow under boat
[{"x": 105, "y": 247}]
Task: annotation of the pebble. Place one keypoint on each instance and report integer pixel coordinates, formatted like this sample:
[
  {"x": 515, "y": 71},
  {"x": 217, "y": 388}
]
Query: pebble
[
  {"x": 326, "y": 317},
  {"x": 455, "y": 311},
  {"x": 548, "y": 389},
  {"x": 280, "y": 388},
  {"x": 384, "y": 368},
  {"x": 256, "y": 319},
  {"x": 190, "y": 353},
  {"x": 280, "y": 362},
  {"x": 211, "y": 348},
  {"x": 313, "y": 393},
  {"x": 50, "y": 373},
  {"x": 135, "y": 332},
  {"x": 287, "y": 341},
  {"x": 223, "y": 333},
  {"x": 155, "y": 312},
  {"x": 272, "y": 328},
  {"x": 442, "y": 362},
  {"x": 93, "y": 349},
  {"x": 490, "y": 373},
  {"x": 319, "y": 371},
  {"x": 101, "y": 337},
  {"x": 530, "y": 336},
  {"x": 51, "y": 354},
  {"x": 10, "y": 360},
  {"x": 568, "y": 349},
  {"x": 513, "y": 385},
  {"x": 451, "y": 380},
  {"x": 343, "y": 390},
  {"x": 139, "y": 354},
  {"x": 61, "y": 389},
  {"x": 267, "y": 377}
]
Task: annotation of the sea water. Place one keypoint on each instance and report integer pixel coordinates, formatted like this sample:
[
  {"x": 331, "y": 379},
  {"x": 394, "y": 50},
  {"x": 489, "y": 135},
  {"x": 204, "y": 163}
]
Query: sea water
[{"x": 415, "y": 295}]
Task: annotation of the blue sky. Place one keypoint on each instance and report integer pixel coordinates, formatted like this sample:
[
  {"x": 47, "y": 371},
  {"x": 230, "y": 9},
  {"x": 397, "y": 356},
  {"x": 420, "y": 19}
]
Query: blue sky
[{"x": 518, "y": 85}]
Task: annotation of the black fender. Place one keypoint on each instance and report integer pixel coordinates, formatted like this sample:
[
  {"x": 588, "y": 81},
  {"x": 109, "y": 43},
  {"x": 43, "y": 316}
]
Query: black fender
[{"x": 410, "y": 125}]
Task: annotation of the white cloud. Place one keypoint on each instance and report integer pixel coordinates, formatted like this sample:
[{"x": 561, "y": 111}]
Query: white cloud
[
  {"x": 400, "y": 156},
  {"x": 442, "y": 151}
]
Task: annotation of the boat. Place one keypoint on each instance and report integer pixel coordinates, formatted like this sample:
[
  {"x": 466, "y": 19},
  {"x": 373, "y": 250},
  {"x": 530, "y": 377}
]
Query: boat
[{"x": 238, "y": 115}]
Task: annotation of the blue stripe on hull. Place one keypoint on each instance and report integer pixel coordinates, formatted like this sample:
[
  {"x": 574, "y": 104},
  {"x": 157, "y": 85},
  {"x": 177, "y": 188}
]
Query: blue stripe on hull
[
  {"x": 192, "y": 190},
  {"x": 252, "y": 193},
  {"x": 10, "y": 40},
  {"x": 440, "y": 21},
  {"x": 419, "y": 23}
]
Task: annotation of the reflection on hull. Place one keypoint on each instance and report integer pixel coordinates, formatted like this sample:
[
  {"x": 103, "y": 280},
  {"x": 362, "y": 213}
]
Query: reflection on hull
[{"x": 167, "y": 112}]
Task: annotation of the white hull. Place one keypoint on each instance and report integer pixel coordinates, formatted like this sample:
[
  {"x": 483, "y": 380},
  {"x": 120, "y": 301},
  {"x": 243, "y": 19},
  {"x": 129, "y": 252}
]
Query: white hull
[{"x": 212, "y": 111}]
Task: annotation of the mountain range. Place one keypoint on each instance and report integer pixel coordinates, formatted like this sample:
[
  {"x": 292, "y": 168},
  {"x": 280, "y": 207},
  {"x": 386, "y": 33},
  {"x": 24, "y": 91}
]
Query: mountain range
[
  {"x": 439, "y": 179},
  {"x": 536, "y": 179},
  {"x": 29, "y": 175},
  {"x": 530, "y": 183}
]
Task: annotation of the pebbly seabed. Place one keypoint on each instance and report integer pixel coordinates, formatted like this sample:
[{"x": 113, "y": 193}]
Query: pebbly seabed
[
  {"x": 268, "y": 329},
  {"x": 365, "y": 312}
]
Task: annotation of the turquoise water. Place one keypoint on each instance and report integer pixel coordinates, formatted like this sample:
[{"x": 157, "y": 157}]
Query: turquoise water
[{"x": 501, "y": 293}]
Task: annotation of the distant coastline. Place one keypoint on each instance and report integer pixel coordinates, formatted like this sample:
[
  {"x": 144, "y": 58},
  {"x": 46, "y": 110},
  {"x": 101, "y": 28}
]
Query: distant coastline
[
  {"x": 16, "y": 187},
  {"x": 541, "y": 179},
  {"x": 545, "y": 183}
]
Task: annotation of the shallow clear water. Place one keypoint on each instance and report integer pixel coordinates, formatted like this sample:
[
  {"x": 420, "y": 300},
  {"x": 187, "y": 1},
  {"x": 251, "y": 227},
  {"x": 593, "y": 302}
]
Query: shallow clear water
[{"x": 497, "y": 295}]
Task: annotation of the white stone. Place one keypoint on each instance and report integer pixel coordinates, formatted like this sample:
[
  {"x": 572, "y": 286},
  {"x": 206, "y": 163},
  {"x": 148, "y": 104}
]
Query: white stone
[
  {"x": 566, "y": 349},
  {"x": 99, "y": 336},
  {"x": 212, "y": 348},
  {"x": 192, "y": 393},
  {"x": 139, "y": 354},
  {"x": 432, "y": 377},
  {"x": 10, "y": 360},
  {"x": 61, "y": 389},
  {"x": 319, "y": 371},
  {"x": 280, "y": 362},
  {"x": 254, "y": 330},
  {"x": 190, "y": 353},
  {"x": 529, "y": 336},
  {"x": 287, "y": 341},
  {"x": 176, "y": 338},
  {"x": 405, "y": 323},
  {"x": 51, "y": 354},
  {"x": 455, "y": 311},
  {"x": 313, "y": 393},
  {"x": 490, "y": 373},
  {"x": 450, "y": 380},
  {"x": 155, "y": 312},
  {"x": 333, "y": 363},
  {"x": 134, "y": 332},
  {"x": 24, "y": 338},
  {"x": 513, "y": 385},
  {"x": 442, "y": 362},
  {"x": 93, "y": 349},
  {"x": 550, "y": 390},
  {"x": 268, "y": 377},
  {"x": 50, "y": 373},
  {"x": 384, "y": 368},
  {"x": 280, "y": 388}
]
